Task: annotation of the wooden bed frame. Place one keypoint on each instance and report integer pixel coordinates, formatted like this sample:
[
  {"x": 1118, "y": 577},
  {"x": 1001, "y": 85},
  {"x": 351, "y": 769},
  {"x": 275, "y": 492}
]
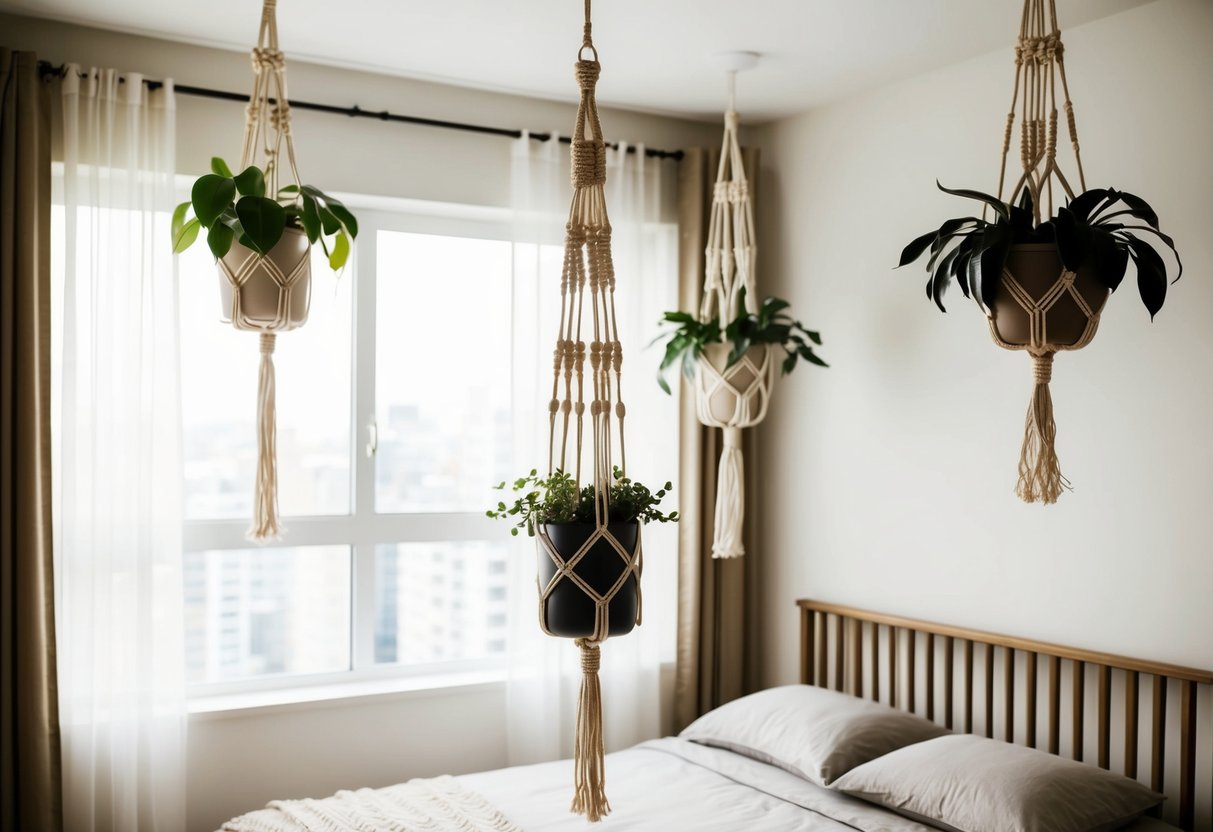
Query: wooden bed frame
[{"x": 839, "y": 645}]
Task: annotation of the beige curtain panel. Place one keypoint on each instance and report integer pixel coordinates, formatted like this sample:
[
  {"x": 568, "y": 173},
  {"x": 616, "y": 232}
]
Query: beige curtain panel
[
  {"x": 717, "y": 658},
  {"x": 29, "y": 711}
]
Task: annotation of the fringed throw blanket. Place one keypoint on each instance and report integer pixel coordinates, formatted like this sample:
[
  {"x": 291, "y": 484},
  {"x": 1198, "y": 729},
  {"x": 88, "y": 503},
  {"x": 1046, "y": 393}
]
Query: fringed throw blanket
[{"x": 431, "y": 805}]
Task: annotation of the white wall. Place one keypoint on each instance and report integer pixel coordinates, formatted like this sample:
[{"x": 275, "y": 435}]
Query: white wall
[
  {"x": 240, "y": 760},
  {"x": 889, "y": 477}
]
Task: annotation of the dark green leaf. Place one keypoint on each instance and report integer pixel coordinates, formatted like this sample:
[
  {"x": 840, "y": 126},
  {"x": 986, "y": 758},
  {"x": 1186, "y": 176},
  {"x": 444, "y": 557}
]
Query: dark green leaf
[
  {"x": 916, "y": 247},
  {"x": 1141, "y": 209},
  {"x": 347, "y": 219},
  {"x": 251, "y": 182},
  {"x": 210, "y": 195},
  {"x": 219, "y": 238},
  {"x": 220, "y": 168},
  {"x": 1151, "y": 276},
  {"x": 263, "y": 221},
  {"x": 310, "y": 218},
  {"x": 1110, "y": 258},
  {"x": 996, "y": 244},
  {"x": 1083, "y": 204},
  {"x": 994, "y": 202}
]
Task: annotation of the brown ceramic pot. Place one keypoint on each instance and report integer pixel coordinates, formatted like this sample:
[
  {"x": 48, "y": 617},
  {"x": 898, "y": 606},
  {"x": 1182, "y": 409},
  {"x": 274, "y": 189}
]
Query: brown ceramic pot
[{"x": 1037, "y": 267}]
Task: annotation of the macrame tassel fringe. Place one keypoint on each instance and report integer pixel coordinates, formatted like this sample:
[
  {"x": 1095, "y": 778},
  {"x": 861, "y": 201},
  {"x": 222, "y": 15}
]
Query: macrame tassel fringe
[
  {"x": 589, "y": 775},
  {"x": 1040, "y": 478},
  {"x": 730, "y": 498},
  {"x": 265, "y": 495}
]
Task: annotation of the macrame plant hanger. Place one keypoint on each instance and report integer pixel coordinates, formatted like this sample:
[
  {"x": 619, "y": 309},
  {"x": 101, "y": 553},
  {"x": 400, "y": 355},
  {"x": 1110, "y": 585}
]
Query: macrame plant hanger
[
  {"x": 1039, "y": 66},
  {"x": 588, "y": 263},
  {"x": 267, "y": 134},
  {"x": 733, "y": 397}
]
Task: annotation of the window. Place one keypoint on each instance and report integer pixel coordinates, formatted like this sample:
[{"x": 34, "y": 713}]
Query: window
[
  {"x": 397, "y": 410},
  {"x": 385, "y": 463}
]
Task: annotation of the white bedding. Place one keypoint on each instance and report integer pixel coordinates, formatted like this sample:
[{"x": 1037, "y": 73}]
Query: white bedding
[
  {"x": 666, "y": 785},
  {"x": 672, "y": 784}
]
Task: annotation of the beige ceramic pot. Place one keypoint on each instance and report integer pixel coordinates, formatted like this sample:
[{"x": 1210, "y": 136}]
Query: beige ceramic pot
[
  {"x": 1037, "y": 267},
  {"x": 270, "y": 293},
  {"x": 736, "y": 396}
]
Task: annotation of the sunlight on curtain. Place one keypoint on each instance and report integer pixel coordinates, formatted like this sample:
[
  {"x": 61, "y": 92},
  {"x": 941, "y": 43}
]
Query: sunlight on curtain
[
  {"x": 545, "y": 673},
  {"x": 118, "y": 478}
]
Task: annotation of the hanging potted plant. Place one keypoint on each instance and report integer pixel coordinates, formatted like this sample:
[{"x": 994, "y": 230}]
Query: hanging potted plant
[
  {"x": 263, "y": 244},
  {"x": 261, "y": 235},
  {"x": 732, "y": 364},
  {"x": 564, "y": 515},
  {"x": 1042, "y": 276}
]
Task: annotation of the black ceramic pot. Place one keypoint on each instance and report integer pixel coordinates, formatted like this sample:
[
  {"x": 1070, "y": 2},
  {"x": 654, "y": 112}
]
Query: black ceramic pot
[{"x": 568, "y": 611}]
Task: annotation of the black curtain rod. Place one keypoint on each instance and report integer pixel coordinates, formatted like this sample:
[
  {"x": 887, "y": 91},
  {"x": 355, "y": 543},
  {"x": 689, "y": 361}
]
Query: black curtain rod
[{"x": 47, "y": 69}]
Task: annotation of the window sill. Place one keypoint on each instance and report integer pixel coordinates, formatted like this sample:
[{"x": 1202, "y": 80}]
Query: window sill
[{"x": 260, "y": 703}]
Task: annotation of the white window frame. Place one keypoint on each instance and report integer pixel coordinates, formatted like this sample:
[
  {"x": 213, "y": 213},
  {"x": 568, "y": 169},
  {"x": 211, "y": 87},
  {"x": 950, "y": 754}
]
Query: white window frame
[{"x": 363, "y": 529}]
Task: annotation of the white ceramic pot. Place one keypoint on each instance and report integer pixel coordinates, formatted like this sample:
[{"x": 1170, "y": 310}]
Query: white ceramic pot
[
  {"x": 736, "y": 396},
  {"x": 270, "y": 293}
]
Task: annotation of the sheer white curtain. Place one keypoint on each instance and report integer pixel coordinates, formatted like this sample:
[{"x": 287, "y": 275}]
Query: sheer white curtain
[
  {"x": 544, "y": 673},
  {"x": 118, "y": 514}
]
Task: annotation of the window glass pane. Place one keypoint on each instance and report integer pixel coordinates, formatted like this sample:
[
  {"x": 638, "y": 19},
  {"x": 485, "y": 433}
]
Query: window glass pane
[
  {"x": 258, "y": 612},
  {"x": 437, "y": 602},
  {"x": 219, "y": 367},
  {"x": 442, "y": 371}
]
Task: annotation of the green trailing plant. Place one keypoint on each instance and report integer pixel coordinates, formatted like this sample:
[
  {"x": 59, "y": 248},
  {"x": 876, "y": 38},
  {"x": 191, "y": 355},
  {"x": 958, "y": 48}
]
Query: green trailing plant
[
  {"x": 1102, "y": 227},
  {"x": 235, "y": 208},
  {"x": 556, "y": 499},
  {"x": 769, "y": 325}
]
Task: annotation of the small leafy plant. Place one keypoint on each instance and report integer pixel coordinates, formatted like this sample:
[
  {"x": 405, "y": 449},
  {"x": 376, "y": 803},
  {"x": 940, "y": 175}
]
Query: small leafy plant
[
  {"x": 769, "y": 325},
  {"x": 1103, "y": 227},
  {"x": 235, "y": 208},
  {"x": 556, "y": 499}
]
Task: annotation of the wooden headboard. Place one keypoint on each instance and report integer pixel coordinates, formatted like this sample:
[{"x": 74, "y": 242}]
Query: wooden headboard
[{"x": 841, "y": 648}]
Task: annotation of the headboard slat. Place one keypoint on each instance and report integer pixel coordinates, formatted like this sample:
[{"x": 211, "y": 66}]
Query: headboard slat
[{"x": 831, "y": 627}]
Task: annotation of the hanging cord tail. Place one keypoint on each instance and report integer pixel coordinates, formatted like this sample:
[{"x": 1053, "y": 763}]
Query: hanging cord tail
[
  {"x": 730, "y": 498},
  {"x": 589, "y": 768},
  {"x": 1040, "y": 477},
  {"x": 265, "y": 493}
]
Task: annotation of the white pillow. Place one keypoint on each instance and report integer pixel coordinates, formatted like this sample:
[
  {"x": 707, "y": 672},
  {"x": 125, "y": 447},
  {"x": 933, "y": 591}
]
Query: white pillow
[
  {"x": 965, "y": 783},
  {"x": 812, "y": 732}
]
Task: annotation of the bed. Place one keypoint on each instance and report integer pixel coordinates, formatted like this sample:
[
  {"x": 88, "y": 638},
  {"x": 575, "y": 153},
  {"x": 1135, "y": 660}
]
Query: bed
[{"x": 892, "y": 715}]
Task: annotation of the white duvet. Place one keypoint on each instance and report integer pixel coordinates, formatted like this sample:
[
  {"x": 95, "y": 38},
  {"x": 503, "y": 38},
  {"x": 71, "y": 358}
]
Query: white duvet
[
  {"x": 673, "y": 784},
  {"x": 666, "y": 785}
]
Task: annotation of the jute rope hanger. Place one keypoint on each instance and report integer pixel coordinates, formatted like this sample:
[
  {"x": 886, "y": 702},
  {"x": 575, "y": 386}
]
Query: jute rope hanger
[
  {"x": 1039, "y": 65},
  {"x": 267, "y": 133},
  {"x": 588, "y": 263}
]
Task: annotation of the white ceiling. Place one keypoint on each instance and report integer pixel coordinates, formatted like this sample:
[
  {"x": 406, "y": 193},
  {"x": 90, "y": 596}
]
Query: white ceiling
[{"x": 657, "y": 55}]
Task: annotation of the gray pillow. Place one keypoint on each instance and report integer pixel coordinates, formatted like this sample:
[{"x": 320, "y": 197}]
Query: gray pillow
[
  {"x": 812, "y": 732},
  {"x": 964, "y": 783}
]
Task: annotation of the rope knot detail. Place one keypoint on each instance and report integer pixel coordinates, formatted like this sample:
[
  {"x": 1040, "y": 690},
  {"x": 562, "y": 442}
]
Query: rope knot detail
[
  {"x": 1039, "y": 50},
  {"x": 1042, "y": 368},
  {"x": 590, "y": 655},
  {"x": 265, "y": 58},
  {"x": 586, "y": 73},
  {"x": 588, "y": 163},
  {"x": 267, "y": 343}
]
